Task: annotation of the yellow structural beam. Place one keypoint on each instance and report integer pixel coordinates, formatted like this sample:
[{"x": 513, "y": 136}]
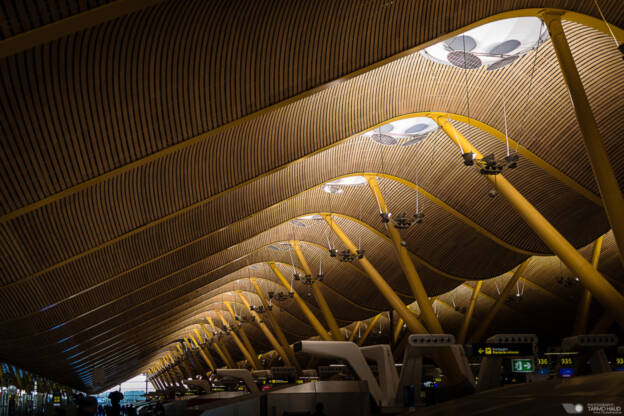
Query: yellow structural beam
[
  {"x": 418, "y": 289},
  {"x": 582, "y": 315},
  {"x": 485, "y": 323},
  {"x": 279, "y": 333},
  {"x": 318, "y": 295},
  {"x": 355, "y": 329},
  {"x": 601, "y": 289},
  {"x": 461, "y": 335},
  {"x": 369, "y": 329},
  {"x": 388, "y": 293},
  {"x": 245, "y": 338},
  {"x": 267, "y": 332},
  {"x": 397, "y": 329},
  {"x": 217, "y": 346},
  {"x": 208, "y": 360},
  {"x": 316, "y": 324},
  {"x": 610, "y": 192},
  {"x": 239, "y": 343}
]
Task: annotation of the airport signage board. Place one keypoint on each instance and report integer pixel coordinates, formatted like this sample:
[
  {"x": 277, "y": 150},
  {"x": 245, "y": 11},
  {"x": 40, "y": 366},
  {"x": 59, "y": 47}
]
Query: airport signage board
[
  {"x": 522, "y": 365},
  {"x": 502, "y": 350}
]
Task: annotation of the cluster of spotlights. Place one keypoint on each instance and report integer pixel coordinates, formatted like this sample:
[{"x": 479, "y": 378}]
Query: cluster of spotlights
[
  {"x": 346, "y": 256},
  {"x": 403, "y": 220},
  {"x": 489, "y": 165},
  {"x": 568, "y": 281}
]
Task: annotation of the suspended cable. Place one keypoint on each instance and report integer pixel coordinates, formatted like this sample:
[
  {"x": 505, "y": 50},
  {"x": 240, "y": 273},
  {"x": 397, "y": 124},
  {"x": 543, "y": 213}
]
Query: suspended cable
[{"x": 606, "y": 24}]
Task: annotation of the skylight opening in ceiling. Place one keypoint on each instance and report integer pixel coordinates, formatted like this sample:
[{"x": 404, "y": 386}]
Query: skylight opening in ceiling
[
  {"x": 407, "y": 131},
  {"x": 495, "y": 45},
  {"x": 336, "y": 186}
]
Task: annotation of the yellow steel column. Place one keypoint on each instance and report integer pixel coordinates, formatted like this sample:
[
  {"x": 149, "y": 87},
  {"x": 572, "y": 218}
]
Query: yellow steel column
[
  {"x": 601, "y": 289},
  {"x": 355, "y": 329},
  {"x": 316, "y": 324},
  {"x": 267, "y": 332},
  {"x": 225, "y": 357},
  {"x": 393, "y": 299},
  {"x": 175, "y": 368},
  {"x": 184, "y": 364},
  {"x": 461, "y": 336},
  {"x": 485, "y": 324},
  {"x": 418, "y": 289},
  {"x": 221, "y": 346},
  {"x": 244, "y": 337},
  {"x": 397, "y": 329},
  {"x": 275, "y": 325},
  {"x": 369, "y": 329},
  {"x": 239, "y": 343},
  {"x": 166, "y": 374},
  {"x": 205, "y": 350},
  {"x": 582, "y": 315},
  {"x": 208, "y": 361},
  {"x": 318, "y": 295},
  {"x": 610, "y": 192}
]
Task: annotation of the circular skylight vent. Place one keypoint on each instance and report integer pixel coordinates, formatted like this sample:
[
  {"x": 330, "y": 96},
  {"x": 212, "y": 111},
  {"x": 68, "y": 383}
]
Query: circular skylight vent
[
  {"x": 464, "y": 60},
  {"x": 407, "y": 131},
  {"x": 332, "y": 189},
  {"x": 384, "y": 139},
  {"x": 505, "y": 47},
  {"x": 461, "y": 43},
  {"x": 503, "y": 40},
  {"x": 298, "y": 223},
  {"x": 315, "y": 217}
]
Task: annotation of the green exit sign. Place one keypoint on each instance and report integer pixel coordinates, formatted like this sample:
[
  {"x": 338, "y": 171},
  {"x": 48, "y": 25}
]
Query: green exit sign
[{"x": 522, "y": 365}]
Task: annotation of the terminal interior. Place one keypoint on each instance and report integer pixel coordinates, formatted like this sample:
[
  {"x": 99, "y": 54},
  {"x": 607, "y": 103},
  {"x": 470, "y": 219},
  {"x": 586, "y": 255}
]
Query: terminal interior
[{"x": 308, "y": 208}]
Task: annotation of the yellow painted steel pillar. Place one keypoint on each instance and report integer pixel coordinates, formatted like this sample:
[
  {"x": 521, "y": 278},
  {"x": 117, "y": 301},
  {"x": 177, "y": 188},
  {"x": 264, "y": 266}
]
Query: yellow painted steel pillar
[
  {"x": 281, "y": 337},
  {"x": 355, "y": 329},
  {"x": 461, "y": 336},
  {"x": 397, "y": 329},
  {"x": 205, "y": 357},
  {"x": 369, "y": 329},
  {"x": 227, "y": 359},
  {"x": 318, "y": 295},
  {"x": 245, "y": 338},
  {"x": 239, "y": 343},
  {"x": 485, "y": 324},
  {"x": 601, "y": 289},
  {"x": 316, "y": 324},
  {"x": 267, "y": 332},
  {"x": 184, "y": 364},
  {"x": 582, "y": 315},
  {"x": 418, "y": 289},
  {"x": 393, "y": 299},
  {"x": 610, "y": 192},
  {"x": 206, "y": 350}
]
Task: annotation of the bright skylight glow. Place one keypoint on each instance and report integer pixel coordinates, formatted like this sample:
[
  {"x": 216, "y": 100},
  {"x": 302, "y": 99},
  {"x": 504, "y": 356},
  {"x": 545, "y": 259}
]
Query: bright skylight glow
[
  {"x": 349, "y": 181},
  {"x": 496, "y": 44}
]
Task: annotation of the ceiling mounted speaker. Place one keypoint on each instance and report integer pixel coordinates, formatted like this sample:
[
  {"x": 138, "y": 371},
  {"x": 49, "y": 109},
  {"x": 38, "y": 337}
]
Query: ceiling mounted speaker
[
  {"x": 462, "y": 43},
  {"x": 384, "y": 139},
  {"x": 505, "y": 47},
  {"x": 464, "y": 60},
  {"x": 502, "y": 63}
]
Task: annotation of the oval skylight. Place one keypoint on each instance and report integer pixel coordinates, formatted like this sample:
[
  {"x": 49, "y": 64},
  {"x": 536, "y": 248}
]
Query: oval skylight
[
  {"x": 311, "y": 217},
  {"x": 496, "y": 44},
  {"x": 407, "y": 131},
  {"x": 349, "y": 181}
]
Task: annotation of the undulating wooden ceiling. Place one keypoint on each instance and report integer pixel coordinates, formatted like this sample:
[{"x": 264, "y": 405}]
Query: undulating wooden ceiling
[{"x": 152, "y": 163}]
